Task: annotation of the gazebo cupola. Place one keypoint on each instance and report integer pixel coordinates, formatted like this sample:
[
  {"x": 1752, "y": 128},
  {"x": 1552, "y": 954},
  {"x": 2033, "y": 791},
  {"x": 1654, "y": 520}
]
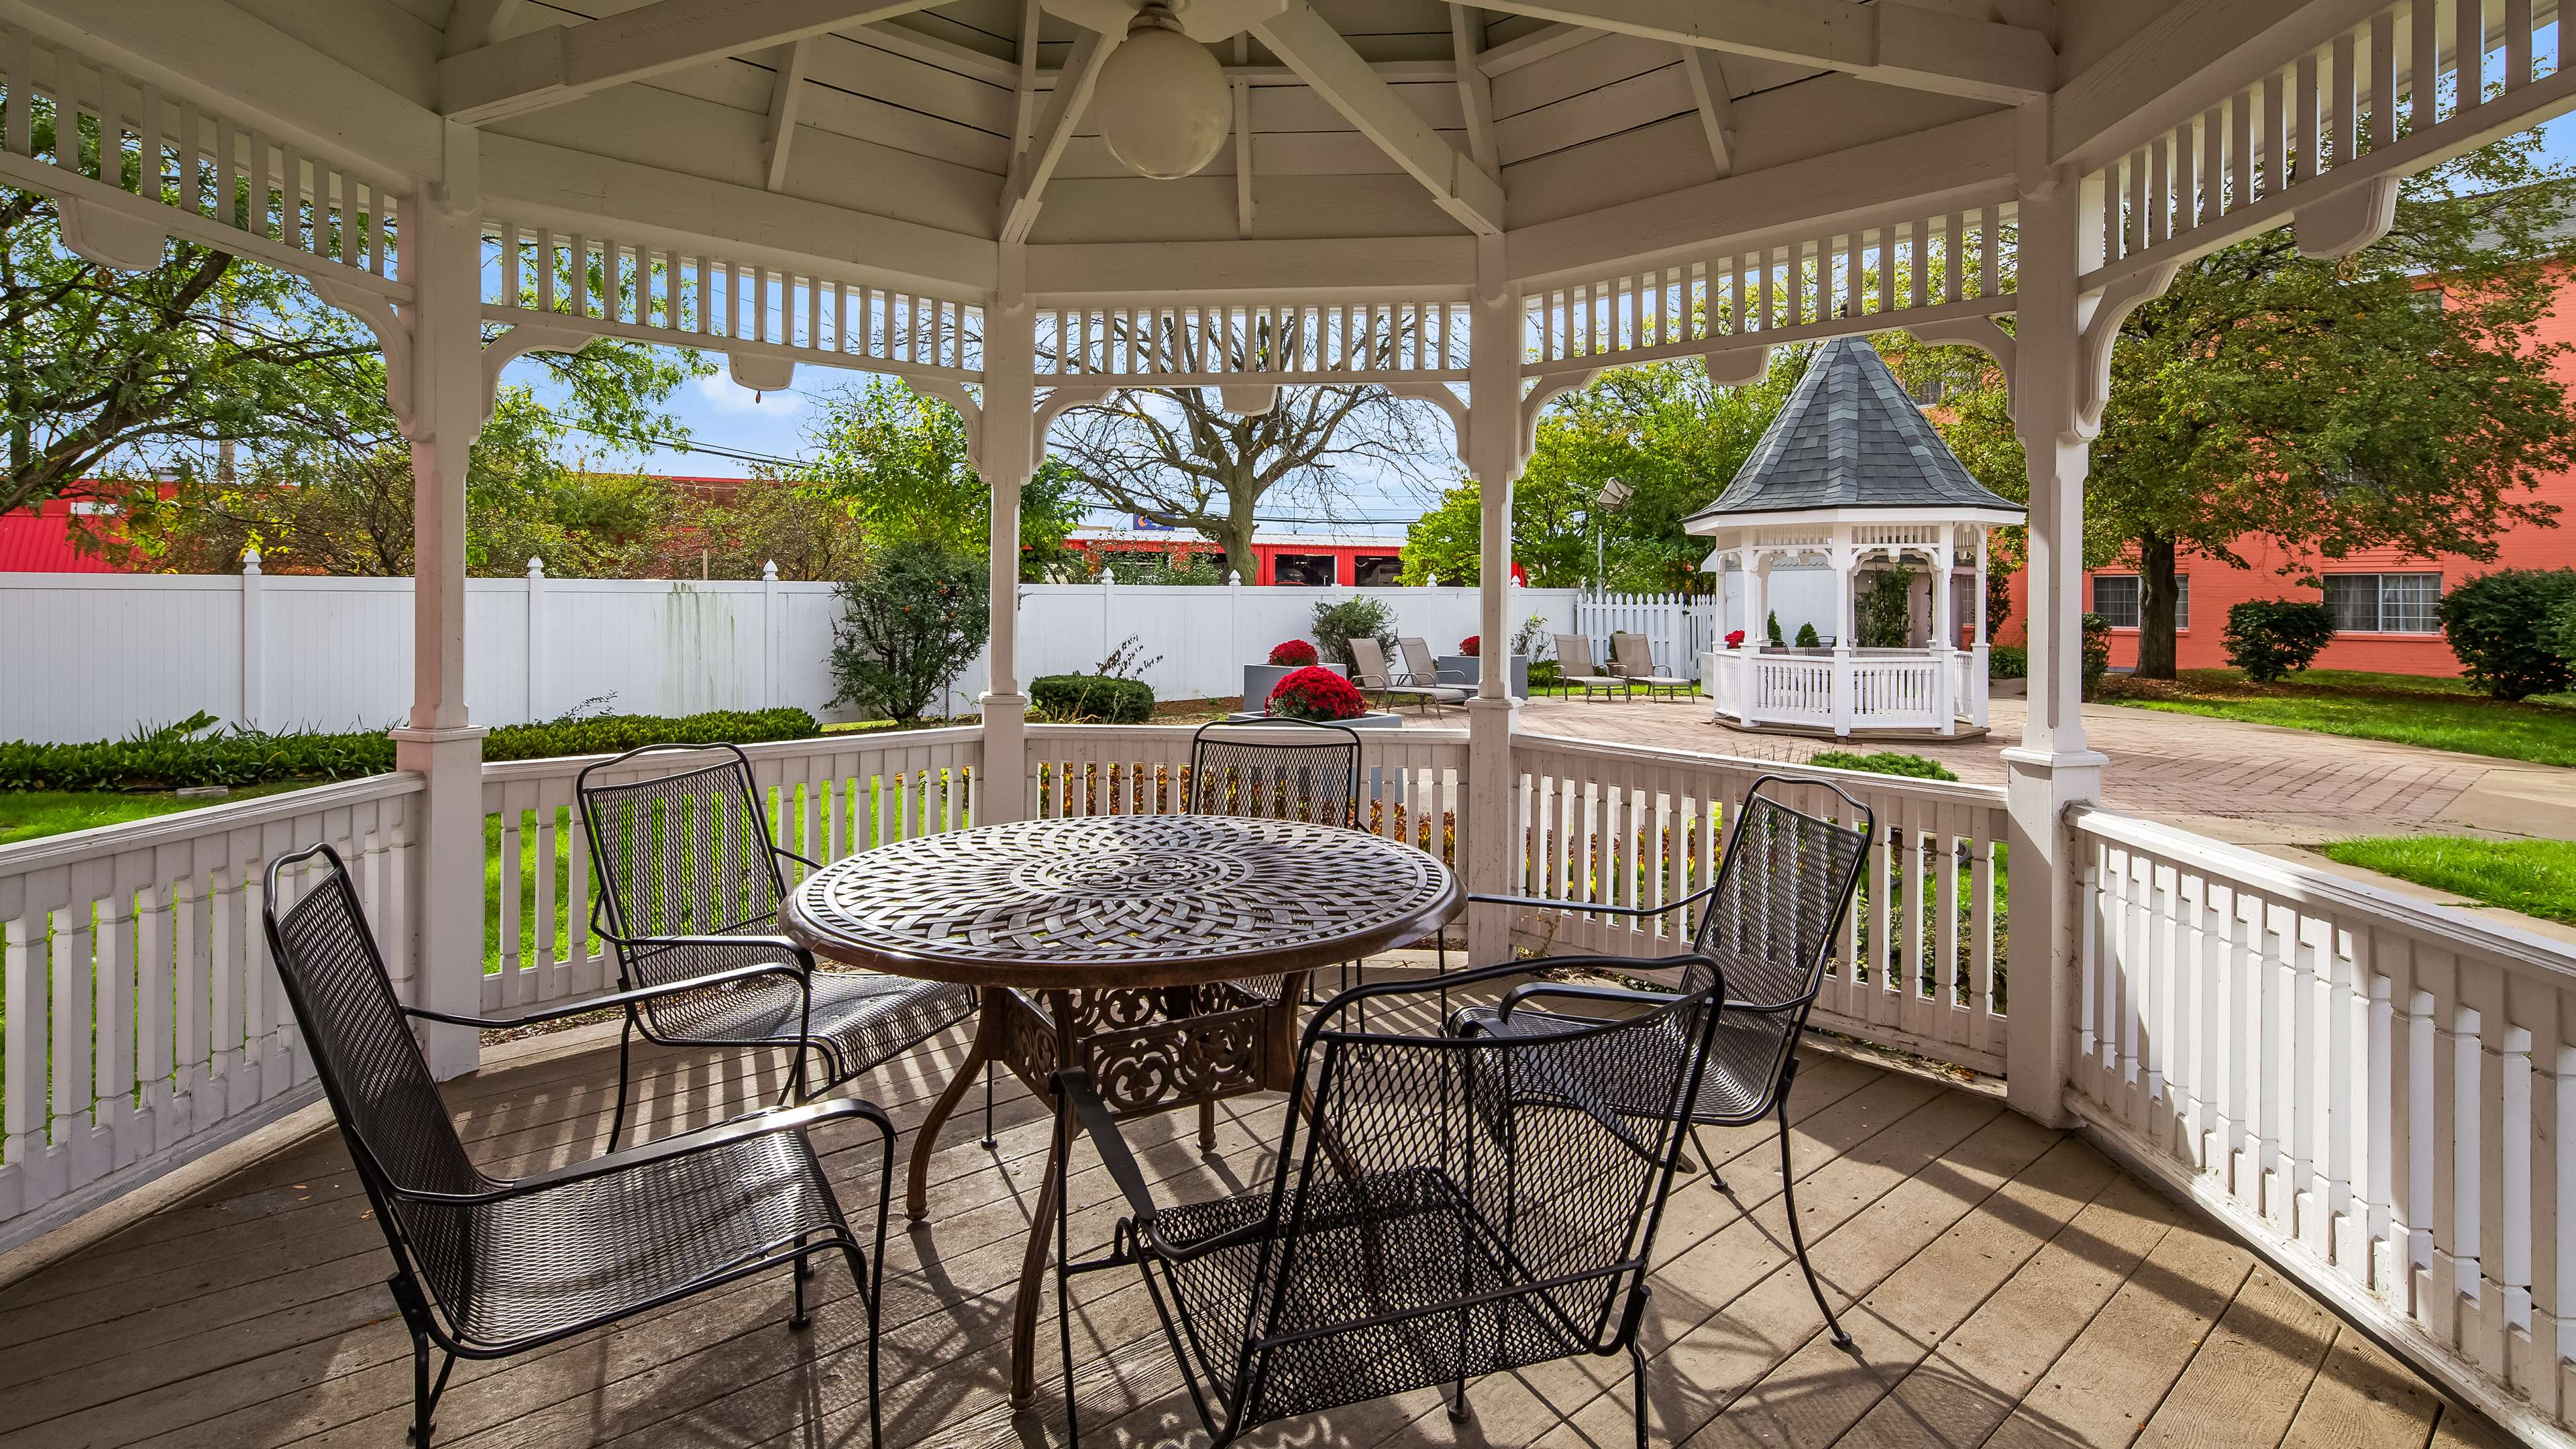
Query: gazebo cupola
[{"x": 1852, "y": 476}]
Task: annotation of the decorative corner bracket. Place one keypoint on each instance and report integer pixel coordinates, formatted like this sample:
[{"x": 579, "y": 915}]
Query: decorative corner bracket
[
  {"x": 1545, "y": 389},
  {"x": 111, "y": 238},
  {"x": 1443, "y": 397},
  {"x": 394, "y": 339},
  {"x": 2351, "y": 218},
  {"x": 517, "y": 342},
  {"x": 1737, "y": 366},
  {"x": 956, "y": 396},
  {"x": 1980, "y": 333},
  {"x": 2101, "y": 330}
]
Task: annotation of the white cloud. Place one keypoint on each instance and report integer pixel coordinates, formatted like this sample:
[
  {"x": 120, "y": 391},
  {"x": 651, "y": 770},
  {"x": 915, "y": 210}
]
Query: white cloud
[{"x": 720, "y": 392}]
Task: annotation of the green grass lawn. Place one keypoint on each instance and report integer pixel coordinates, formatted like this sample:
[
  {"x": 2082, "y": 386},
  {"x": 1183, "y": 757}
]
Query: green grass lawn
[
  {"x": 32, "y": 814},
  {"x": 2442, "y": 714},
  {"x": 2535, "y": 877}
]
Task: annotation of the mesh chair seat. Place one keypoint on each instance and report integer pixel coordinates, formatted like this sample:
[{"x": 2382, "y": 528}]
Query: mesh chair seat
[
  {"x": 567, "y": 1256},
  {"x": 1410, "y": 1245},
  {"x": 1734, "y": 1087}
]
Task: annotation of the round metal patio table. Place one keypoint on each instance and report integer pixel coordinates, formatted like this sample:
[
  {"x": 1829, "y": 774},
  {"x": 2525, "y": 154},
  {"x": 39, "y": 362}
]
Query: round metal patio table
[{"x": 1124, "y": 944}]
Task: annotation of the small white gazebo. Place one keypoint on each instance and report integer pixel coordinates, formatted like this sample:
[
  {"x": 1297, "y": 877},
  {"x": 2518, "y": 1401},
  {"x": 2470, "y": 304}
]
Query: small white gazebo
[{"x": 1852, "y": 477}]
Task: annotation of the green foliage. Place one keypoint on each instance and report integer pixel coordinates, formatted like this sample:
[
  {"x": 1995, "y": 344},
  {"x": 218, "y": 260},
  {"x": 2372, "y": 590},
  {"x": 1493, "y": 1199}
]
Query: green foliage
[
  {"x": 1771, "y": 627},
  {"x": 1337, "y": 624},
  {"x": 1883, "y": 762},
  {"x": 2097, "y": 652},
  {"x": 911, "y": 621},
  {"x": 2007, "y": 661},
  {"x": 1887, "y": 610},
  {"x": 2324, "y": 407},
  {"x": 1446, "y": 542},
  {"x": 1178, "y": 565},
  {"x": 2272, "y": 638},
  {"x": 2496, "y": 624},
  {"x": 1091, "y": 699},
  {"x": 2437, "y": 714},
  {"x": 192, "y": 752},
  {"x": 1808, "y": 638},
  {"x": 896, "y": 462}
]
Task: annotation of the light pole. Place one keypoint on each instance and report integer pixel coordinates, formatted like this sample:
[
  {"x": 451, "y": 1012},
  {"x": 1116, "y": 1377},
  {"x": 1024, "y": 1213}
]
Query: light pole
[{"x": 1614, "y": 496}]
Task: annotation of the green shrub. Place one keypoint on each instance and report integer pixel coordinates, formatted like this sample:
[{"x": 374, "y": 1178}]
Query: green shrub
[
  {"x": 1336, "y": 625},
  {"x": 1808, "y": 638},
  {"x": 2270, "y": 638},
  {"x": 1546, "y": 674},
  {"x": 1887, "y": 610},
  {"x": 1771, "y": 628},
  {"x": 176, "y": 757},
  {"x": 911, "y": 621},
  {"x": 2496, "y": 624},
  {"x": 1884, "y": 762},
  {"x": 2097, "y": 652},
  {"x": 2007, "y": 661},
  {"x": 1091, "y": 699}
]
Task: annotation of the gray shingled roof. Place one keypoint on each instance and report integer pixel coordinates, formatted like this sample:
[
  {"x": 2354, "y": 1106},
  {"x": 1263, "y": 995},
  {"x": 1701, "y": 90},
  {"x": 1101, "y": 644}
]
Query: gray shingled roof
[{"x": 1851, "y": 438}]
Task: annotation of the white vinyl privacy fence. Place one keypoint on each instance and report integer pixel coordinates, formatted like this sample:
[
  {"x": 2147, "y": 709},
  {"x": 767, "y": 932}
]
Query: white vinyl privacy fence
[{"x": 93, "y": 656}]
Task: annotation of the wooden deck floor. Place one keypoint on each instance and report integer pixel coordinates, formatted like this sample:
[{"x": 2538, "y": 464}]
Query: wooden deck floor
[{"x": 2013, "y": 1287}]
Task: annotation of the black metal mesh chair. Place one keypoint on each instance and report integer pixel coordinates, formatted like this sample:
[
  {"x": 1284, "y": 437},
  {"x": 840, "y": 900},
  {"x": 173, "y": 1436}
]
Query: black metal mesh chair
[
  {"x": 487, "y": 1267},
  {"x": 1766, "y": 926},
  {"x": 689, "y": 883},
  {"x": 1460, "y": 1205}
]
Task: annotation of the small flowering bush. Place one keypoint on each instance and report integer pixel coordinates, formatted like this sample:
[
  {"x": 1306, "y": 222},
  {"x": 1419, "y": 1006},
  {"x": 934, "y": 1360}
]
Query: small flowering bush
[
  {"x": 1316, "y": 693},
  {"x": 1468, "y": 645},
  {"x": 1296, "y": 653},
  {"x": 1735, "y": 639}
]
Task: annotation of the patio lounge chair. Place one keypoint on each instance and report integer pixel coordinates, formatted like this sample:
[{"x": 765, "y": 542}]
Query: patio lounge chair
[
  {"x": 689, "y": 884},
  {"x": 1574, "y": 666},
  {"x": 1370, "y": 672},
  {"x": 1765, "y": 925},
  {"x": 487, "y": 1267},
  {"x": 1421, "y": 664},
  {"x": 1632, "y": 658},
  {"x": 1461, "y": 1209}
]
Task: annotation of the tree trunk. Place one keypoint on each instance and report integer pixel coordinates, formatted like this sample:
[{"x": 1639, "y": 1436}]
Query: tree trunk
[{"x": 2158, "y": 589}]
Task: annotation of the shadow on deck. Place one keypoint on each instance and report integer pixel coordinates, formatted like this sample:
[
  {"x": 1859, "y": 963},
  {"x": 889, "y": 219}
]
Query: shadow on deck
[{"x": 2012, "y": 1286}]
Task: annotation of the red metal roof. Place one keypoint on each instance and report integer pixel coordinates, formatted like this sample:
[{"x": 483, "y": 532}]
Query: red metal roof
[{"x": 40, "y": 542}]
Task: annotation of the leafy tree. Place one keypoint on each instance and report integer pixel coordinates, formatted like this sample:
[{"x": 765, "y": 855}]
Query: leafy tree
[
  {"x": 1887, "y": 610},
  {"x": 102, "y": 369},
  {"x": 896, "y": 462},
  {"x": 804, "y": 530},
  {"x": 912, "y": 619},
  {"x": 2326, "y": 407},
  {"x": 1337, "y": 624},
  {"x": 1446, "y": 542}
]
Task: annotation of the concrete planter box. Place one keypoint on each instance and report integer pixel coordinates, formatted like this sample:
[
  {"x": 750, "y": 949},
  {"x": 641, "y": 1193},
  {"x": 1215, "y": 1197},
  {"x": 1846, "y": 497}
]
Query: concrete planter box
[
  {"x": 1260, "y": 679},
  {"x": 1376, "y": 719},
  {"x": 1472, "y": 668}
]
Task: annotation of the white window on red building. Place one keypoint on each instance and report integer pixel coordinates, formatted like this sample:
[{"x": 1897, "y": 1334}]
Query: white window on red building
[
  {"x": 2385, "y": 603},
  {"x": 2120, "y": 598}
]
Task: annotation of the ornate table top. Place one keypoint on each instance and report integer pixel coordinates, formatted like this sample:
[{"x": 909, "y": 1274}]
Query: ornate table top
[{"x": 1120, "y": 900}]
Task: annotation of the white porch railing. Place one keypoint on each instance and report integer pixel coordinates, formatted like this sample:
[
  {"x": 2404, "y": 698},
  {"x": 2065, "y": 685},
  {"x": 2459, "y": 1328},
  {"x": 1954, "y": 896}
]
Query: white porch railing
[
  {"x": 828, "y": 797},
  {"x": 1849, "y": 692},
  {"x": 146, "y": 1026},
  {"x": 1918, "y": 961},
  {"x": 2372, "y": 1090}
]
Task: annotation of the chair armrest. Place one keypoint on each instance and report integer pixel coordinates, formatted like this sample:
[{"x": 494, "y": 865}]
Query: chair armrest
[
  {"x": 1548, "y": 903},
  {"x": 792, "y": 855},
  {"x": 723, "y": 1134},
  {"x": 1583, "y": 991},
  {"x": 620, "y": 998},
  {"x": 804, "y": 958}
]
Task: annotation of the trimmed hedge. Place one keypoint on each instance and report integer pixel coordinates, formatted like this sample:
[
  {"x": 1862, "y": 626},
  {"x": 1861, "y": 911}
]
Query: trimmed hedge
[
  {"x": 1092, "y": 699},
  {"x": 2007, "y": 661},
  {"x": 2271, "y": 639},
  {"x": 2498, "y": 626},
  {"x": 172, "y": 758},
  {"x": 1884, "y": 762}
]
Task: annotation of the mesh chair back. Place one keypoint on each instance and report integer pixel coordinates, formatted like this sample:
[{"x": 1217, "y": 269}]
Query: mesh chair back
[
  {"x": 1282, "y": 769},
  {"x": 1418, "y": 661},
  {"x": 371, "y": 1067},
  {"x": 1463, "y": 1205},
  {"x": 1574, "y": 654},
  {"x": 1632, "y": 655},
  {"x": 1368, "y": 664},
  {"x": 681, "y": 853}
]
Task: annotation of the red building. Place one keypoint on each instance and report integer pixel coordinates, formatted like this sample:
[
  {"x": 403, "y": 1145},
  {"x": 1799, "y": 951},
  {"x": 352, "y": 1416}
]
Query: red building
[
  {"x": 1293, "y": 560},
  {"x": 39, "y": 540},
  {"x": 2383, "y": 601}
]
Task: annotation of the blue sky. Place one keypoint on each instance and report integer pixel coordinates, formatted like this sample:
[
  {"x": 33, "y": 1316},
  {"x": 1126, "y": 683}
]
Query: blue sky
[{"x": 721, "y": 415}]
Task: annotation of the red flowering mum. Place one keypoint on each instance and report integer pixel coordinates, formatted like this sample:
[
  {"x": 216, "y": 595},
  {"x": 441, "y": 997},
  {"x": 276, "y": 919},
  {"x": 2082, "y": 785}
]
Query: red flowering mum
[
  {"x": 1468, "y": 645},
  {"x": 1317, "y": 694},
  {"x": 1296, "y": 653}
]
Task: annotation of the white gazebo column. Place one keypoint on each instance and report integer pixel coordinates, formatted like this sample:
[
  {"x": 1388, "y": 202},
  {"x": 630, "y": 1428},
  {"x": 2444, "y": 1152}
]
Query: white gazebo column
[
  {"x": 442, "y": 256},
  {"x": 1494, "y": 454},
  {"x": 1007, "y": 455},
  {"x": 2051, "y": 769},
  {"x": 1845, "y": 557},
  {"x": 1945, "y": 637},
  {"x": 1757, "y": 636}
]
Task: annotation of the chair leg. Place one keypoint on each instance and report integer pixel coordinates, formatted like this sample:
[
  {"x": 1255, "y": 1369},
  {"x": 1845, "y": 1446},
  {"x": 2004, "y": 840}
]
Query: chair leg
[
  {"x": 617, "y": 1114},
  {"x": 1707, "y": 1159},
  {"x": 1458, "y": 1404},
  {"x": 1637, "y": 1381},
  {"x": 988, "y": 1105},
  {"x": 424, "y": 1391},
  {"x": 800, "y": 1320},
  {"x": 1797, "y": 1237}
]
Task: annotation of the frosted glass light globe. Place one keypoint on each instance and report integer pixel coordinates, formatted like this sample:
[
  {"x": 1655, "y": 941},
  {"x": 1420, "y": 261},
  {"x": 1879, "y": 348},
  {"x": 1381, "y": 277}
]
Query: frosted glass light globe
[{"x": 1161, "y": 103}]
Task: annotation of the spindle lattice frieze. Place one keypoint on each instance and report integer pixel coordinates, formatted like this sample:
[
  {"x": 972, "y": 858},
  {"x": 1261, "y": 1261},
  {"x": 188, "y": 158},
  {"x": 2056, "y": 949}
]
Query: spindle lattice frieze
[
  {"x": 136, "y": 165},
  {"x": 1215, "y": 343}
]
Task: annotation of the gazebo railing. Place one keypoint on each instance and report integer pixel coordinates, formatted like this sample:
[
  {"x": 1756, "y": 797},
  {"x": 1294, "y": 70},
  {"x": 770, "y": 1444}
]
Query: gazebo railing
[{"x": 1917, "y": 690}]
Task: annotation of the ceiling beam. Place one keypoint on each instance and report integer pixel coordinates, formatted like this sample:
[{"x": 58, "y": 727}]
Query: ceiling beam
[
  {"x": 1892, "y": 43},
  {"x": 1324, "y": 60},
  {"x": 560, "y": 63},
  {"x": 1475, "y": 88},
  {"x": 1242, "y": 158},
  {"x": 1534, "y": 47},
  {"x": 1716, "y": 107},
  {"x": 1022, "y": 190},
  {"x": 786, "y": 86},
  {"x": 473, "y": 23}
]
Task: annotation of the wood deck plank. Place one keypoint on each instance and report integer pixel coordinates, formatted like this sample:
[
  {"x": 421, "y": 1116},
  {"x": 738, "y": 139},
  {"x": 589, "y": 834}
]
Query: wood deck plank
[
  {"x": 2245, "y": 1384},
  {"x": 2362, "y": 1397}
]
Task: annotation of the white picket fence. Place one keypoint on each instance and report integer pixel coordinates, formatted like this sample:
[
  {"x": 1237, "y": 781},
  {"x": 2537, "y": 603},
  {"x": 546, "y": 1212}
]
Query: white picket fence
[
  {"x": 1679, "y": 627},
  {"x": 117, "y": 651}
]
